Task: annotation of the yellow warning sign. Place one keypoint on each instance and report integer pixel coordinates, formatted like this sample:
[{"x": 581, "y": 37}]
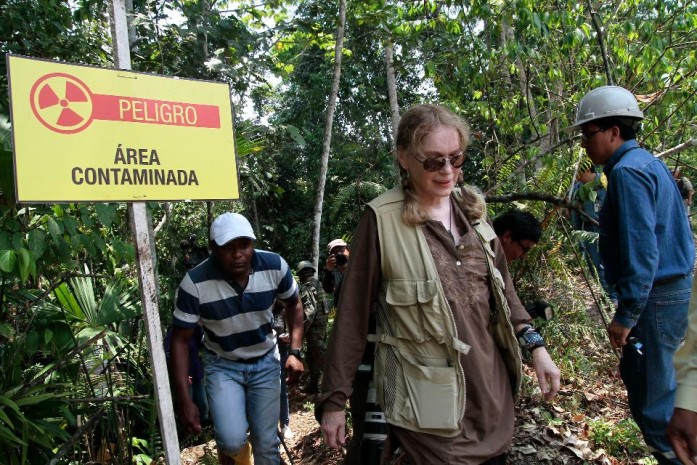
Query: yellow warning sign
[{"x": 90, "y": 134}]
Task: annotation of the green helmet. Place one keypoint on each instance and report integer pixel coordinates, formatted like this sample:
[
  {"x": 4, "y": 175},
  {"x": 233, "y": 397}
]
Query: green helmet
[
  {"x": 304, "y": 265},
  {"x": 605, "y": 102}
]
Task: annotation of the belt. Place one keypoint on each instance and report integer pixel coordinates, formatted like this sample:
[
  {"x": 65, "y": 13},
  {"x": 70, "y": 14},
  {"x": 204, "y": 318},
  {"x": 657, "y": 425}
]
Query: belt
[{"x": 664, "y": 281}]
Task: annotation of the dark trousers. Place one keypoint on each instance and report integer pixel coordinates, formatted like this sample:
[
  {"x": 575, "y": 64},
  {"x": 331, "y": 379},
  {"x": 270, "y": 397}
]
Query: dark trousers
[
  {"x": 500, "y": 460},
  {"x": 357, "y": 401}
]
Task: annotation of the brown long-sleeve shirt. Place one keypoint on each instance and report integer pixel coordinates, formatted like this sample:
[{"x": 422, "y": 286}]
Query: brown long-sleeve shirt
[{"x": 487, "y": 427}]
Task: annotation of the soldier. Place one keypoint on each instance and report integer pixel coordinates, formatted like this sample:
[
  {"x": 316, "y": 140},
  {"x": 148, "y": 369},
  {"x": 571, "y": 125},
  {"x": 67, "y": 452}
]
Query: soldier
[{"x": 316, "y": 308}]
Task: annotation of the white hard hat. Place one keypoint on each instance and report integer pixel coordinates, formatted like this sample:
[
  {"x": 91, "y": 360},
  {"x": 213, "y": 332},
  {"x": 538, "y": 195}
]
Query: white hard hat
[{"x": 605, "y": 102}]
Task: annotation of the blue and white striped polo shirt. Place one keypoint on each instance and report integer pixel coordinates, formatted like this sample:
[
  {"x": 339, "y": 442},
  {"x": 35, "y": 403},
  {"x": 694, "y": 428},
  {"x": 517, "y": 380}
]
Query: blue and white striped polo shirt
[{"x": 237, "y": 324}]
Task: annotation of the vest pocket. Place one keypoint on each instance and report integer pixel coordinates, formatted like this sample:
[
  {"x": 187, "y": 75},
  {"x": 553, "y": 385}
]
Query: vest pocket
[
  {"x": 433, "y": 395},
  {"x": 407, "y": 297}
]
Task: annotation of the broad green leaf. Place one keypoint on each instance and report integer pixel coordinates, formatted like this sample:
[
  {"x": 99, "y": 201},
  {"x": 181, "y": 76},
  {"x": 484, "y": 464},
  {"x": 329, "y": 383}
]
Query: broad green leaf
[
  {"x": 8, "y": 260},
  {"x": 54, "y": 229},
  {"x": 5, "y": 419},
  {"x": 48, "y": 336},
  {"x": 106, "y": 213},
  {"x": 6, "y": 330},
  {"x": 26, "y": 262},
  {"x": 67, "y": 300},
  {"x": 37, "y": 243},
  {"x": 8, "y": 402},
  {"x": 34, "y": 399},
  {"x": 9, "y": 436}
]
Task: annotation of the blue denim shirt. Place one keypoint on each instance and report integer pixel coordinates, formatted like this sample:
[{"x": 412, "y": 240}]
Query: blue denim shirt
[{"x": 644, "y": 233}]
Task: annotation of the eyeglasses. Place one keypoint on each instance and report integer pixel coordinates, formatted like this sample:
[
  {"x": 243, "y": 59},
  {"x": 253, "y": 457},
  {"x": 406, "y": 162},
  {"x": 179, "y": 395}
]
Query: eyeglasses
[
  {"x": 587, "y": 136},
  {"x": 436, "y": 164}
]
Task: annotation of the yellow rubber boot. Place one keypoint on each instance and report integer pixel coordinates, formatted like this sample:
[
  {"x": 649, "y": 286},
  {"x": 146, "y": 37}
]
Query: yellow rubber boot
[{"x": 244, "y": 456}]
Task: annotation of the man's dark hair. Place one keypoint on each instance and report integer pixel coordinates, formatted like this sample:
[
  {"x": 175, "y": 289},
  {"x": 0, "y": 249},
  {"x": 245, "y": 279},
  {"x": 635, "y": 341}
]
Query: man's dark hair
[
  {"x": 628, "y": 126},
  {"x": 522, "y": 225}
]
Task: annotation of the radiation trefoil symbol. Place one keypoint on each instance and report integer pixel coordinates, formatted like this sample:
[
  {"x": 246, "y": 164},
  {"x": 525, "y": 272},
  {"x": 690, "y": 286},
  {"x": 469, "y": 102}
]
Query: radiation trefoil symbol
[{"x": 62, "y": 103}]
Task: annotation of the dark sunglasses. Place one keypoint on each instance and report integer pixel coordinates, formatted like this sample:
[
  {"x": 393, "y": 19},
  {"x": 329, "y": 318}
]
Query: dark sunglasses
[{"x": 435, "y": 164}]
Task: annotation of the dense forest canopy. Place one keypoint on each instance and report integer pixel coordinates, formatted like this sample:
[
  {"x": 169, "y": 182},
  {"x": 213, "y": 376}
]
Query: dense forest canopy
[{"x": 514, "y": 69}]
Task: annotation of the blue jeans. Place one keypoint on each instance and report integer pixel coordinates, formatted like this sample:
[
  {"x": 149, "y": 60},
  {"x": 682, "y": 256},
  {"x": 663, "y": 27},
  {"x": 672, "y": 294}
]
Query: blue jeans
[
  {"x": 245, "y": 396},
  {"x": 648, "y": 374},
  {"x": 283, "y": 348}
]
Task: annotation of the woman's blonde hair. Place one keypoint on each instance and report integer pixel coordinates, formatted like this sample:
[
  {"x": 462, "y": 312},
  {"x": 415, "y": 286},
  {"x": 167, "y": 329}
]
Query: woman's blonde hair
[{"x": 415, "y": 124}]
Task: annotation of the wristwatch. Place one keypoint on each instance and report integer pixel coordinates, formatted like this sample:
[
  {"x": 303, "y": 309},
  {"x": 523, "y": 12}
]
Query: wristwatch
[
  {"x": 529, "y": 339},
  {"x": 297, "y": 353}
]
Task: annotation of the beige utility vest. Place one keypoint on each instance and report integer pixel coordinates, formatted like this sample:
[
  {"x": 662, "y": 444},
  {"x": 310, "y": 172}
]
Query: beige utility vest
[{"x": 419, "y": 379}]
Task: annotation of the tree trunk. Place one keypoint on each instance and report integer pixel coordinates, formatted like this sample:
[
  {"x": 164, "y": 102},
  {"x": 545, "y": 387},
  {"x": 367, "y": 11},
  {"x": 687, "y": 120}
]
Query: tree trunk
[
  {"x": 132, "y": 35},
  {"x": 327, "y": 141},
  {"x": 392, "y": 90},
  {"x": 508, "y": 34}
]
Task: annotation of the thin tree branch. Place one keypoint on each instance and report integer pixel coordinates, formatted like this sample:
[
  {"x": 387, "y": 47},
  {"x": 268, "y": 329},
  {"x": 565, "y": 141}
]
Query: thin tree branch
[
  {"x": 675, "y": 110},
  {"x": 167, "y": 207},
  {"x": 76, "y": 437},
  {"x": 678, "y": 148},
  {"x": 601, "y": 41},
  {"x": 66, "y": 359},
  {"x": 95, "y": 400},
  {"x": 541, "y": 197}
]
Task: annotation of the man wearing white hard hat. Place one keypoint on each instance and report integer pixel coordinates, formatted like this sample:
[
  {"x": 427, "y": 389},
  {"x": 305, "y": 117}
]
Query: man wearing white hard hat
[
  {"x": 648, "y": 253},
  {"x": 231, "y": 295}
]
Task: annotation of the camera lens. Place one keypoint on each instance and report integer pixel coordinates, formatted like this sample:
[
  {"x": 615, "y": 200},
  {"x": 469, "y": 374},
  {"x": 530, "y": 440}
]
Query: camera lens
[{"x": 341, "y": 259}]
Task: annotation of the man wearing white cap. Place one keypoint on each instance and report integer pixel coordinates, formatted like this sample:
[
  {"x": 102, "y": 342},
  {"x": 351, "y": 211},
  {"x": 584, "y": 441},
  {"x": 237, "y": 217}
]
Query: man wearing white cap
[
  {"x": 231, "y": 295},
  {"x": 336, "y": 264}
]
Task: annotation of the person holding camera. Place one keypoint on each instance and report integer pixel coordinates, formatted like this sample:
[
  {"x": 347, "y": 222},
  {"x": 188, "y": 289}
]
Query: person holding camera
[
  {"x": 336, "y": 264},
  {"x": 428, "y": 264}
]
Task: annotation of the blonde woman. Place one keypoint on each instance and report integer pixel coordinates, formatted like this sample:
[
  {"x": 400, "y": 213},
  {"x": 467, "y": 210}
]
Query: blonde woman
[{"x": 425, "y": 259}]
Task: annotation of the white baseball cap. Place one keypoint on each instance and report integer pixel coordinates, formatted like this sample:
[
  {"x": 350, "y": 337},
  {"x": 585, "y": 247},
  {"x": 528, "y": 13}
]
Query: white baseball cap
[
  {"x": 230, "y": 226},
  {"x": 336, "y": 243}
]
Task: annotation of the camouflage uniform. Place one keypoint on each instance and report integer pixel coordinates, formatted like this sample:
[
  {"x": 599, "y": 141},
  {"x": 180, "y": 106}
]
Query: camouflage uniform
[{"x": 316, "y": 310}]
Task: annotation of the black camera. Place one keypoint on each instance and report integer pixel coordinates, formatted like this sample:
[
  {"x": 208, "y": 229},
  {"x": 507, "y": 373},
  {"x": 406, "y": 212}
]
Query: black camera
[
  {"x": 540, "y": 309},
  {"x": 341, "y": 259}
]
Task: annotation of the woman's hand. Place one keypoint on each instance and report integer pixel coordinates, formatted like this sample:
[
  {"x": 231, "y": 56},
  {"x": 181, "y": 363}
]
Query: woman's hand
[
  {"x": 547, "y": 373},
  {"x": 334, "y": 428}
]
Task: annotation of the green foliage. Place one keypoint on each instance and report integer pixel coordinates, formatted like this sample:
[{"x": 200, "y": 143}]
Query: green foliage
[
  {"x": 48, "y": 29},
  {"x": 31, "y": 423},
  {"x": 621, "y": 439},
  {"x": 348, "y": 205}
]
